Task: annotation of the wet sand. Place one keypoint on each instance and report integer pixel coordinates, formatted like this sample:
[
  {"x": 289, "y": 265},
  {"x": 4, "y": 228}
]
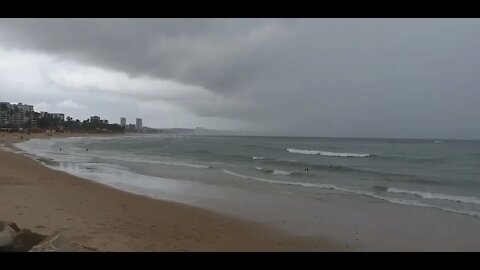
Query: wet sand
[{"x": 107, "y": 219}]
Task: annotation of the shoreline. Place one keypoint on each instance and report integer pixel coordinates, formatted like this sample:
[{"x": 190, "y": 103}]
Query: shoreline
[{"x": 96, "y": 215}]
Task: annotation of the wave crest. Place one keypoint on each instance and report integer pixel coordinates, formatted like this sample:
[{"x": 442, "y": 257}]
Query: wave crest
[
  {"x": 325, "y": 153},
  {"x": 197, "y": 166},
  {"x": 439, "y": 196},
  {"x": 280, "y": 172},
  {"x": 358, "y": 192}
]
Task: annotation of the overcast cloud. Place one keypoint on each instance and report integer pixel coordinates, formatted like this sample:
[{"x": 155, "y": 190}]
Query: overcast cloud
[{"x": 313, "y": 77}]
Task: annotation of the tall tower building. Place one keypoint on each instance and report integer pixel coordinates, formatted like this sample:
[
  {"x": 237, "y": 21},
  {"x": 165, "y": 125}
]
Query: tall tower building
[
  {"x": 123, "y": 121},
  {"x": 138, "y": 124}
]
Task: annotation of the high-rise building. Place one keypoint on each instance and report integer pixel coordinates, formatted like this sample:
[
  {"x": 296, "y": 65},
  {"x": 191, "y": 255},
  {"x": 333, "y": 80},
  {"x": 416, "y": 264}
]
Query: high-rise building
[
  {"x": 4, "y": 113},
  {"x": 123, "y": 121},
  {"x": 15, "y": 114},
  {"x": 139, "y": 124}
]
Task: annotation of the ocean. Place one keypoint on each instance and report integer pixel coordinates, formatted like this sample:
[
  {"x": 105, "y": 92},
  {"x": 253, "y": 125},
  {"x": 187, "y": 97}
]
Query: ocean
[{"x": 219, "y": 172}]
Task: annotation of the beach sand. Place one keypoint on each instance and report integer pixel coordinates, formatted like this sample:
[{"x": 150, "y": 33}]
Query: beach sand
[{"x": 100, "y": 217}]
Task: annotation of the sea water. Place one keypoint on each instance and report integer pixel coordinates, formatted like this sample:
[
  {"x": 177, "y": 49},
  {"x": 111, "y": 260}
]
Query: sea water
[{"x": 438, "y": 174}]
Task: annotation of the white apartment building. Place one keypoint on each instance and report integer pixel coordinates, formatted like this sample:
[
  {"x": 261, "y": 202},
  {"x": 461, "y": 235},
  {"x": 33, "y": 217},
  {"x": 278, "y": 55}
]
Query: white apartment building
[{"x": 60, "y": 116}]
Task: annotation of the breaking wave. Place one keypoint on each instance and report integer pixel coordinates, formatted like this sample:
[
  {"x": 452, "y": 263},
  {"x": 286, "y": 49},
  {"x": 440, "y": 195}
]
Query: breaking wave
[
  {"x": 325, "y": 153},
  {"x": 357, "y": 192},
  {"x": 280, "y": 172},
  {"x": 439, "y": 196},
  {"x": 198, "y": 166}
]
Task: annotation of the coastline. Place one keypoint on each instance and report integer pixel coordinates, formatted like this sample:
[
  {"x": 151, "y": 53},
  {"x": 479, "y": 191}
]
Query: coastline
[{"x": 101, "y": 217}]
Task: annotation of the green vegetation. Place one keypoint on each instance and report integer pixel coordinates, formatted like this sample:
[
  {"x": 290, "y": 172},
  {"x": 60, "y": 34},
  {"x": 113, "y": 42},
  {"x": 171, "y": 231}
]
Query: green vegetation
[{"x": 88, "y": 126}]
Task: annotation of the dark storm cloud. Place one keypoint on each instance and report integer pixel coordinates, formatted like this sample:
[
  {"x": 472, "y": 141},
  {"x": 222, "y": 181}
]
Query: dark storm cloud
[
  {"x": 183, "y": 49},
  {"x": 334, "y": 77}
]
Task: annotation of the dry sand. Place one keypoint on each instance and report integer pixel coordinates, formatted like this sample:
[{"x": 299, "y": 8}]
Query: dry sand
[{"x": 107, "y": 219}]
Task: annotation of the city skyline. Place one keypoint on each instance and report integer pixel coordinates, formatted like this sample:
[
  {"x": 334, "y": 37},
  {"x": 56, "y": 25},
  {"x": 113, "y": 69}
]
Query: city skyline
[{"x": 21, "y": 115}]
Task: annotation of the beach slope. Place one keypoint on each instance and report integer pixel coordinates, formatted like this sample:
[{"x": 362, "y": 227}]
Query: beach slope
[{"x": 107, "y": 219}]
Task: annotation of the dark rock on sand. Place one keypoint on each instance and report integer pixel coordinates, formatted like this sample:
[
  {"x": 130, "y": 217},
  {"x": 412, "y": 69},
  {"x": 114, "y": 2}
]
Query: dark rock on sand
[
  {"x": 25, "y": 240},
  {"x": 13, "y": 239}
]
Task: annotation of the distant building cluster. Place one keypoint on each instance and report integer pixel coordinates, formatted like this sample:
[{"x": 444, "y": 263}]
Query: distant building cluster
[
  {"x": 138, "y": 126},
  {"x": 23, "y": 116}
]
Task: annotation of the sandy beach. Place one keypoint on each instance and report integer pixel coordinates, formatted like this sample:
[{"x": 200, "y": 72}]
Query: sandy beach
[{"x": 106, "y": 219}]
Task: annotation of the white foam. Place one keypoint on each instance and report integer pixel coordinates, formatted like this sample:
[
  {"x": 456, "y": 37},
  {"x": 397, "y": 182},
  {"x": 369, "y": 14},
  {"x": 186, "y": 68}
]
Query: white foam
[
  {"x": 305, "y": 152},
  {"x": 42, "y": 148},
  {"x": 325, "y": 153},
  {"x": 439, "y": 196},
  {"x": 198, "y": 166},
  {"x": 463, "y": 212},
  {"x": 358, "y": 192},
  {"x": 276, "y": 172},
  {"x": 258, "y": 158},
  {"x": 400, "y": 201},
  {"x": 280, "y": 172},
  {"x": 421, "y": 204},
  {"x": 255, "y": 178},
  {"x": 325, "y": 186}
]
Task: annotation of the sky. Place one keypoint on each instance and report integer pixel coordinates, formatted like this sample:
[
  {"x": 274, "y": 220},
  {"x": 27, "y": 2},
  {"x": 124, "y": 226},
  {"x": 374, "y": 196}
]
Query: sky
[{"x": 402, "y": 78}]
